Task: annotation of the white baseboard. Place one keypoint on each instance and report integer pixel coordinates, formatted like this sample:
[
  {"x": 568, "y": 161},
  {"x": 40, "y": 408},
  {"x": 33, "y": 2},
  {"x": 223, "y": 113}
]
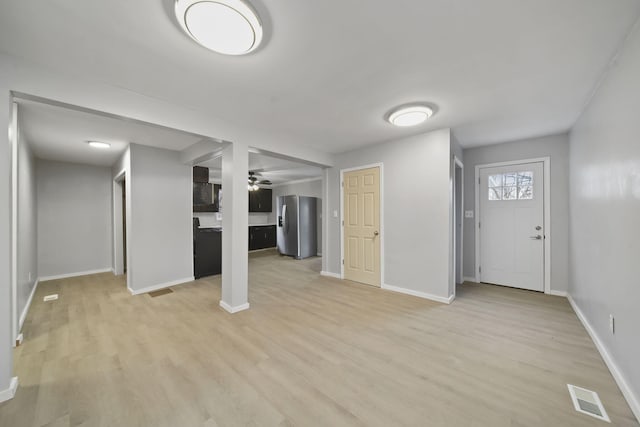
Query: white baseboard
[
  {"x": 559, "y": 293},
  {"x": 79, "y": 273},
  {"x": 627, "y": 392},
  {"x": 11, "y": 391},
  {"x": 235, "y": 309},
  {"x": 25, "y": 310},
  {"x": 329, "y": 274},
  {"x": 160, "y": 286},
  {"x": 419, "y": 294},
  {"x": 469, "y": 279}
]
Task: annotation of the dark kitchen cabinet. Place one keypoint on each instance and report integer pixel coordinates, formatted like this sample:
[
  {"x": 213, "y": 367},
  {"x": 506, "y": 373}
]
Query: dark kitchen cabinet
[
  {"x": 206, "y": 197},
  {"x": 207, "y": 252},
  {"x": 200, "y": 174},
  {"x": 261, "y": 200},
  {"x": 262, "y": 237}
]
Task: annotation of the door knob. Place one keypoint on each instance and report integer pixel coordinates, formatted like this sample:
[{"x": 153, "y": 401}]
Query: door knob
[
  {"x": 538, "y": 228},
  {"x": 375, "y": 233},
  {"x": 536, "y": 237}
]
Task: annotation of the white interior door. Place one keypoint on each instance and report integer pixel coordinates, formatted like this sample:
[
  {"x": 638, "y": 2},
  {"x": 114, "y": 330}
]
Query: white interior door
[{"x": 512, "y": 225}]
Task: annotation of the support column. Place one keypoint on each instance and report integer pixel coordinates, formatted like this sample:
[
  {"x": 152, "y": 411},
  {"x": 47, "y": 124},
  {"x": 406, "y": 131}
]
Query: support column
[
  {"x": 8, "y": 384},
  {"x": 235, "y": 228}
]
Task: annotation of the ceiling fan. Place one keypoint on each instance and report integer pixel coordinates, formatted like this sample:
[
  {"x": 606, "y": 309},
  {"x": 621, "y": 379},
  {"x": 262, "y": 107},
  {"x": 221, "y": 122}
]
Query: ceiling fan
[{"x": 253, "y": 181}]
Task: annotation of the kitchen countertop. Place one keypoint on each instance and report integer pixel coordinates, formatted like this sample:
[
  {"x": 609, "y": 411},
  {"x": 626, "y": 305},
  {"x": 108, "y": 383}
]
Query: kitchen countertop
[{"x": 260, "y": 225}]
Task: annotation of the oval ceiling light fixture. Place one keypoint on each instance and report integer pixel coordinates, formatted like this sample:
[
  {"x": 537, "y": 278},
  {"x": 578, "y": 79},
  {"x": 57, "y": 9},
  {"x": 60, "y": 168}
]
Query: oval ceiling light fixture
[
  {"x": 410, "y": 115},
  {"x": 98, "y": 144},
  {"x": 230, "y": 27}
]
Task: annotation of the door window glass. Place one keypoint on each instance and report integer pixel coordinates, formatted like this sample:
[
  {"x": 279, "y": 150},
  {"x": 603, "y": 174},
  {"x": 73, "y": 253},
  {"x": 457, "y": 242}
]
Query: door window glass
[{"x": 511, "y": 186}]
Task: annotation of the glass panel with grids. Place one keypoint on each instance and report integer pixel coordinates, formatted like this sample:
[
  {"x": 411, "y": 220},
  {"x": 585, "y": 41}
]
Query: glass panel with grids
[{"x": 511, "y": 186}]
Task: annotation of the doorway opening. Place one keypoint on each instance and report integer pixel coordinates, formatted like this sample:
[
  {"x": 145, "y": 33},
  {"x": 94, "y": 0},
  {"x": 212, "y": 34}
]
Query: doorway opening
[
  {"x": 513, "y": 229},
  {"x": 458, "y": 214},
  {"x": 120, "y": 224}
]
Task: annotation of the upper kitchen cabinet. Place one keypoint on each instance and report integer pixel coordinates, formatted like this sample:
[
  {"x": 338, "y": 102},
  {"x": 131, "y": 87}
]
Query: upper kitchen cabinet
[
  {"x": 200, "y": 174},
  {"x": 206, "y": 196},
  {"x": 261, "y": 200}
]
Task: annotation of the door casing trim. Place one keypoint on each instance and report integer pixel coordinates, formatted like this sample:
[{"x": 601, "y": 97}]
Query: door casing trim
[
  {"x": 381, "y": 236},
  {"x": 546, "y": 168}
]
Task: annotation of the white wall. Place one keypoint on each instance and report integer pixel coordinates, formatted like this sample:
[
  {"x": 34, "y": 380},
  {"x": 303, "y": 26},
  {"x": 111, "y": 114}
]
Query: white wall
[
  {"x": 605, "y": 215},
  {"x": 27, "y": 224},
  {"x": 415, "y": 207},
  {"x": 304, "y": 188},
  {"x": 557, "y": 148},
  {"x": 74, "y": 218},
  {"x": 160, "y": 231}
]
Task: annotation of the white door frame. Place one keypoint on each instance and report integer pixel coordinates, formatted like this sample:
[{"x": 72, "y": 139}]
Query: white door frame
[
  {"x": 381, "y": 236},
  {"x": 547, "y": 213},
  {"x": 15, "y": 321},
  {"x": 457, "y": 163}
]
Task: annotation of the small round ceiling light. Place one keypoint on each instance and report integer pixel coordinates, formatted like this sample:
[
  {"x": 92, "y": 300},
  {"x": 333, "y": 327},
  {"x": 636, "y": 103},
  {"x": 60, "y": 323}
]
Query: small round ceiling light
[
  {"x": 410, "y": 115},
  {"x": 230, "y": 27},
  {"x": 98, "y": 144}
]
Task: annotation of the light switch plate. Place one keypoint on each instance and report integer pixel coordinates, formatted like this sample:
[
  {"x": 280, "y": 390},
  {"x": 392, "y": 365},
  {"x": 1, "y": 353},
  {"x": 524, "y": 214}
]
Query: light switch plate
[
  {"x": 468, "y": 214},
  {"x": 335, "y": 214}
]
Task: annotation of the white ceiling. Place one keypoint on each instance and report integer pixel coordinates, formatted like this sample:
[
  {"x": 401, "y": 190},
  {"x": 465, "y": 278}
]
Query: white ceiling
[
  {"x": 59, "y": 133},
  {"x": 276, "y": 170},
  {"x": 330, "y": 70}
]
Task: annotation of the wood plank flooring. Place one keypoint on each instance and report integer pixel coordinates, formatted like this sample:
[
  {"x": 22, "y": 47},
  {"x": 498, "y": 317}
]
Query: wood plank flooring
[{"x": 311, "y": 351}]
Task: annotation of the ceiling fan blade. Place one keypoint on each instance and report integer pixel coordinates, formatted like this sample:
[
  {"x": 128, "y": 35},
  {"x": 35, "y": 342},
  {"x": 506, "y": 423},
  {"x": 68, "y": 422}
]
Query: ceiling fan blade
[{"x": 265, "y": 182}]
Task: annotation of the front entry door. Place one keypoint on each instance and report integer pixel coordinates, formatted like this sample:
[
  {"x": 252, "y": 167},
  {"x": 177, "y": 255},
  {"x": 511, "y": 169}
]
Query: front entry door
[
  {"x": 512, "y": 225},
  {"x": 362, "y": 226}
]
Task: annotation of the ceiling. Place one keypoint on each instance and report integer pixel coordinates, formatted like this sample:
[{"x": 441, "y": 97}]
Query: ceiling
[
  {"x": 276, "y": 170},
  {"x": 59, "y": 133},
  {"x": 329, "y": 70}
]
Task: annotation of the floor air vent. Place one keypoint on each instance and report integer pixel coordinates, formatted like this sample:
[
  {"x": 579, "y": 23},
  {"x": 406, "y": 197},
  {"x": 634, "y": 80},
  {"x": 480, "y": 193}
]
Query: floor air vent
[
  {"x": 587, "y": 402},
  {"x": 160, "y": 292}
]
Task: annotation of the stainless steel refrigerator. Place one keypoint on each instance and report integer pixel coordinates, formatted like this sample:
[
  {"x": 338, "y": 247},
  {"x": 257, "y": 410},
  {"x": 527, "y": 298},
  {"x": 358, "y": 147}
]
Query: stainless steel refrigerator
[{"x": 297, "y": 227}]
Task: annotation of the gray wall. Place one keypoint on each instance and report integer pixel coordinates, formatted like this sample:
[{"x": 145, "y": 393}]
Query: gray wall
[
  {"x": 307, "y": 188},
  {"x": 416, "y": 210},
  {"x": 74, "y": 218},
  {"x": 27, "y": 224},
  {"x": 557, "y": 148},
  {"x": 160, "y": 233},
  {"x": 605, "y": 213}
]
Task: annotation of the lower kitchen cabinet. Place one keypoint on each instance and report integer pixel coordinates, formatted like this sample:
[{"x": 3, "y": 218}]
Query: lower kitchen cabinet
[
  {"x": 207, "y": 252},
  {"x": 262, "y": 237}
]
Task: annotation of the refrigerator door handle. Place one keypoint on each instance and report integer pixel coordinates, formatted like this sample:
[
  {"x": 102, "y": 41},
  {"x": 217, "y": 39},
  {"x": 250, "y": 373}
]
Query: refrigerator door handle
[{"x": 285, "y": 223}]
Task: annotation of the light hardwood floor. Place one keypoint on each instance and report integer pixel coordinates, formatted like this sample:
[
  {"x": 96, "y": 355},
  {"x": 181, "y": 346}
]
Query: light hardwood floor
[{"x": 311, "y": 351}]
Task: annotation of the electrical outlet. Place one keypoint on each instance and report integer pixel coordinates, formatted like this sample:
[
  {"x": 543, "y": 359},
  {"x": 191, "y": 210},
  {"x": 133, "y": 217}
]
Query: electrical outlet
[
  {"x": 612, "y": 324},
  {"x": 468, "y": 214}
]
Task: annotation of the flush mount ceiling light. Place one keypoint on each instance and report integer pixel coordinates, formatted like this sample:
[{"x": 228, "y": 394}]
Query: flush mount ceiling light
[
  {"x": 98, "y": 144},
  {"x": 230, "y": 27},
  {"x": 410, "y": 115}
]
